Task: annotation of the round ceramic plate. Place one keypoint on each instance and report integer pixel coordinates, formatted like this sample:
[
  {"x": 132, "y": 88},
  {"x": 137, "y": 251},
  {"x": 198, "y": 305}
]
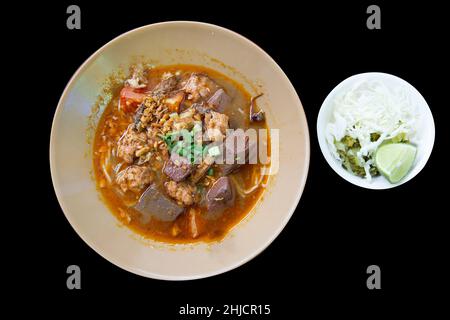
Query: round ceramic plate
[{"x": 164, "y": 44}]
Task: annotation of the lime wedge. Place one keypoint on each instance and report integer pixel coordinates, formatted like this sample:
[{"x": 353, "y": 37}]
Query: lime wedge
[{"x": 394, "y": 160}]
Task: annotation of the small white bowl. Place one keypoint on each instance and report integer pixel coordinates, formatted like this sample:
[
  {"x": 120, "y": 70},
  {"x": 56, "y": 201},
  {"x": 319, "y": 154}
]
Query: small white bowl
[{"x": 425, "y": 131}]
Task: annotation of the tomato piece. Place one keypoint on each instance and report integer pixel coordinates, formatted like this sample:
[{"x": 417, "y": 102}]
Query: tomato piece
[
  {"x": 130, "y": 98},
  {"x": 174, "y": 101}
]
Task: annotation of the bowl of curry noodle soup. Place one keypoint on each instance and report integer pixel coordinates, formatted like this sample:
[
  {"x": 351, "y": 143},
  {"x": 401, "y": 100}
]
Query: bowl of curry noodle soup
[{"x": 179, "y": 150}]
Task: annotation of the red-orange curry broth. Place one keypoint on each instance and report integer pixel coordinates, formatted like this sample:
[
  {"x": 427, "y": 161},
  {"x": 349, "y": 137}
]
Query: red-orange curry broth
[{"x": 249, "y": 180}]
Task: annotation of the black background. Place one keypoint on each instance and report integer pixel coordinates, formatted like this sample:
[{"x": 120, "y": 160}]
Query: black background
[{"x": 337, "y": 230}]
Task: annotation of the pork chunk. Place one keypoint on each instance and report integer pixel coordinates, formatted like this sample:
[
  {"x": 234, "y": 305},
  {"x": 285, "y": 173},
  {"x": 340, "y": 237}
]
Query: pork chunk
[
  {"x": 134, "y": 178},
  {"x": 166, "y": 86},
  {"x": 129, "y": 143},
  {"x": 199, "y": 86},
  {"x": 216, "y": 125},
  {"x": 182, "y": 192}
]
